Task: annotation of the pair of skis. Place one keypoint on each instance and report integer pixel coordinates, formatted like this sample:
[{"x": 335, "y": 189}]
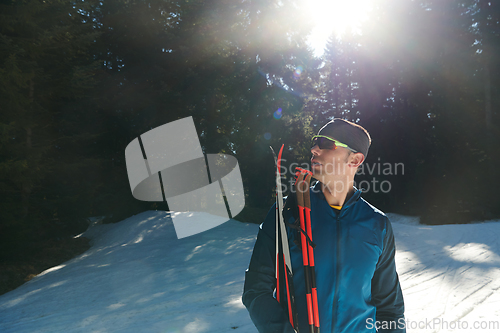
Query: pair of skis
[{"x": 285, "y": 292}]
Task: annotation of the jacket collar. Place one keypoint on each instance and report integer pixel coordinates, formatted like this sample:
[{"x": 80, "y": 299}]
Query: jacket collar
[{"x": 349, "y": 202}]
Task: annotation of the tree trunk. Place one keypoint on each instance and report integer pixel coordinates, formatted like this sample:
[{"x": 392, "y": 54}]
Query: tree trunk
[
  {"x": 487, "y": 97},
  {"x": 27, "y": 185}
]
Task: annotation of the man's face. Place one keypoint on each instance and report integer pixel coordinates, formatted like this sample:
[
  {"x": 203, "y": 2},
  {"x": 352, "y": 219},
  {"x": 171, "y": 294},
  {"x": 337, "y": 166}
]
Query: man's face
[{"x": 329, "y": 163}]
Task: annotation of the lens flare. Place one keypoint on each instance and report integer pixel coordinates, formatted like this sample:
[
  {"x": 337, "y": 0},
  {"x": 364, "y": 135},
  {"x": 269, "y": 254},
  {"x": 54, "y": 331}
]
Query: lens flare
[
  {"x": 277, "y": 114},
  {"x": 267, "y": 136},
  {"x": 297, "y": 72}
]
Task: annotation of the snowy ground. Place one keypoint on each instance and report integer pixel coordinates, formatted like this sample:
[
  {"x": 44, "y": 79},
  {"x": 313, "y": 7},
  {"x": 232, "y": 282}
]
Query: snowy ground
[{"x": 138, "y": 277}]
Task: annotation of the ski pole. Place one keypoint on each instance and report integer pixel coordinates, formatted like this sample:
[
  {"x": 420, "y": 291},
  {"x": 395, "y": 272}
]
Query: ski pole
[
  {"x": 310, "y": 250},
  {"x": 304, "y": 203},
  {"x": 302, "y": 187}
]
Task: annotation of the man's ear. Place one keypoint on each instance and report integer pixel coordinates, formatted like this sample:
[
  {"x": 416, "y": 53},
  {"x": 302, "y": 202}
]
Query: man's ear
[{"x": 355, "y": 159}]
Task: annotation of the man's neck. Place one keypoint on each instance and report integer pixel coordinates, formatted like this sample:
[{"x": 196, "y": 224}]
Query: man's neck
[{"x": 337, "y": 195}]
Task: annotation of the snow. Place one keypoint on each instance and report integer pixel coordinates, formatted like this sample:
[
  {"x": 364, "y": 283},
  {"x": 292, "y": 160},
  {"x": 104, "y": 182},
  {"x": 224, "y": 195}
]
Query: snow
[
  {"x": 450, "y": 274},
  {"x": 138, "y": 277}
]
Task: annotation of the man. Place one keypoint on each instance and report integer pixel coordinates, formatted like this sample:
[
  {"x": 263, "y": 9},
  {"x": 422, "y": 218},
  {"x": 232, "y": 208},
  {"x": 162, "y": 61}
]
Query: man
[{"x": 358, "y": 287}]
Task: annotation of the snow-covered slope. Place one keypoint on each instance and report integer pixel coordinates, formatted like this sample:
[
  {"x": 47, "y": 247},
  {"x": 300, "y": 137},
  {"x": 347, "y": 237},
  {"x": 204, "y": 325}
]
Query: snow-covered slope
[
  {"x": 450, "y": 275},
  {"x": 138, "y": 277}
]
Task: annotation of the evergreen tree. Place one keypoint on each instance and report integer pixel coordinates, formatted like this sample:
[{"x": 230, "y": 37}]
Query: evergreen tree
[
  {"x": 421, "y": 81},
  {"x": 43, "y": 64},
  {"x": 230, "y": 65}
]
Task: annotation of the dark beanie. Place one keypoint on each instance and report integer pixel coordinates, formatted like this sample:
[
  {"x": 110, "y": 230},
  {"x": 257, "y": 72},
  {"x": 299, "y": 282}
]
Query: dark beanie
[{"x": 349, "y": 133}]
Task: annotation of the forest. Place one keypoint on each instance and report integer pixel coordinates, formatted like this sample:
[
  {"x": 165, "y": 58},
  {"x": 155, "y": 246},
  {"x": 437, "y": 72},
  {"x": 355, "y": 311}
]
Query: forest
[{"x": 80, "y": 79}]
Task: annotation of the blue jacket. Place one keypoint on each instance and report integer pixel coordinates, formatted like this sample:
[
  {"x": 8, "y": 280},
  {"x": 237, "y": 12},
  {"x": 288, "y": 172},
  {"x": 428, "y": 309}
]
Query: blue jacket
[{"x": 358, "y": 287}]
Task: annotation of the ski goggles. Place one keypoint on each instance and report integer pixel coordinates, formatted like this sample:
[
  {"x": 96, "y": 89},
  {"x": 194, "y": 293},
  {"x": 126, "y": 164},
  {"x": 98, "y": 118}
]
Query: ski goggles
[{"x": 325, "y": 142}]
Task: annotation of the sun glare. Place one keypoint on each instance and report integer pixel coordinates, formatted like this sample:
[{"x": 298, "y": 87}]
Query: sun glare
[{"x": 335, "y": 17}]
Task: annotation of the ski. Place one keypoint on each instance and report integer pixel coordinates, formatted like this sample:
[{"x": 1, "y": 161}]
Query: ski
[
  {"x": 285, "y": 292},
  {"x": 303, "y": 200}
]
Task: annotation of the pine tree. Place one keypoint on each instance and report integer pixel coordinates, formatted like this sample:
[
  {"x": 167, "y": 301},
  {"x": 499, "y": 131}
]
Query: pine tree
[{"x": 43, "y": 62}]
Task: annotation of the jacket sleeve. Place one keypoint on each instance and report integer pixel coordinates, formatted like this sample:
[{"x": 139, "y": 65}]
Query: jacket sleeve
[
  {"x": 386, "y": 290},
  {"x": 260, "y": 283}
]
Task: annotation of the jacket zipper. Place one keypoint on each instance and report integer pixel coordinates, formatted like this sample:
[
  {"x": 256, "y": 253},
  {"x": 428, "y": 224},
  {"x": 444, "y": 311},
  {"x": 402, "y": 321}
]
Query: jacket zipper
[{"x": 337, "y": 276}]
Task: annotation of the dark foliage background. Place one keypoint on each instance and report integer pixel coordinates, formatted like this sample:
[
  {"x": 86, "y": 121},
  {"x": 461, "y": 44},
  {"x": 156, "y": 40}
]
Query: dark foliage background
[{"x": 80, "y": 79}]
